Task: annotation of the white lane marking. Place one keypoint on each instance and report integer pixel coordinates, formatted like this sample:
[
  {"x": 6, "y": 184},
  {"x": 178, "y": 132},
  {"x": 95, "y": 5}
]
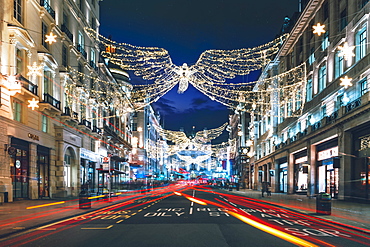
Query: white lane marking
[{"x": 191, "y": 210}]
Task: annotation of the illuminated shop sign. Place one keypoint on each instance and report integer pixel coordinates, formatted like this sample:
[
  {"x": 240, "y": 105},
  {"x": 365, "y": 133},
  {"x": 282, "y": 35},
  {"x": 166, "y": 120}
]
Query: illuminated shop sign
[
  {"x": 301, "y": 160},
  {"x": 327, "y": 154}
]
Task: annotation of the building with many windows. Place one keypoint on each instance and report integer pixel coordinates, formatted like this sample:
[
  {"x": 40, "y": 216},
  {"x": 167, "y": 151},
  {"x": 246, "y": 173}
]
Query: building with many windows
[
  {"x": 326, "y": 147},
  {"x": 62, "y": 110}
]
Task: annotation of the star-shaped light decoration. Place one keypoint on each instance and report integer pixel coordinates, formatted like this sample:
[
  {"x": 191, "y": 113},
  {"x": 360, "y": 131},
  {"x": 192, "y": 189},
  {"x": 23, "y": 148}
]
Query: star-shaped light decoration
[
  {"x": 33, "y": 104},
  {"x": 345, "y": 82},
  {"x": 319, "y": 29},
  {"x": 35, "y": 69},
  {"x": 51, "y": 38},
  {"x": 346, "y": 51}
]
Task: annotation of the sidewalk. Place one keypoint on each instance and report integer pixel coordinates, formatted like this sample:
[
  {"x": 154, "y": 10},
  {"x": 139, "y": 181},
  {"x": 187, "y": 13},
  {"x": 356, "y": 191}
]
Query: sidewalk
[
  {"x": 15, "y": 217},
  {"x": 355, "y": 214}
]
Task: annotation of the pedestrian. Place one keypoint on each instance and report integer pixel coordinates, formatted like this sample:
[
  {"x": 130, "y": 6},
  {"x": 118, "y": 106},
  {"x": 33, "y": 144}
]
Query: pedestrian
[
  {"x": 264, "y": 188},
  {"x": 268, "y": 189}
]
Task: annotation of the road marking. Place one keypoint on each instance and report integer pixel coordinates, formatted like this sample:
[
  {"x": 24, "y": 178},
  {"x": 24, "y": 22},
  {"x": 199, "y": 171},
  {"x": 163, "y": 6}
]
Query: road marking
[
  {"x": 119, "y": 221},
  {"x": 191, "y": 210},
  {"x": 98, "y": 228}
]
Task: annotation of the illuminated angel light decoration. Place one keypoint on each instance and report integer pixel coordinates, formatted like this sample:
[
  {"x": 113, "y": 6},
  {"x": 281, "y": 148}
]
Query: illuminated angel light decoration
[
  {"x": 319, "y": 29},
  {"x": 154, "y": 63},
  {"x": 346, "y": 51},
  {"x": 261, "y": 97},
  {"x": 33, "y": 103},
  {"x": 51, "y": 38},
  {"x": 35, "y": 70},
  {"x": 346, "y": 82}
]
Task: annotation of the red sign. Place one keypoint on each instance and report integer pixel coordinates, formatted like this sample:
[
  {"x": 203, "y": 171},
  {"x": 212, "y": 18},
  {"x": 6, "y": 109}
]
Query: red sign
[{"x": 105, "y": 159}]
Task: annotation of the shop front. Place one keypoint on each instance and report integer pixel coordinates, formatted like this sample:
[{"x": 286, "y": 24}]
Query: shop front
[
  {"x": 43, "y": 171},
  {"x": 20, "y": 167},
  {"x": 88, "y": 164},
  {"x": 360, "y": 177},
  {"x": 301, "y": 172},
  {"x": 328, "y": 168},
  {"x": 283, "y": 175}
]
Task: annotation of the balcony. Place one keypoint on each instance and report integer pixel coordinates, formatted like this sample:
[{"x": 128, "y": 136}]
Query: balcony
[
  {"x": 50, "y": 105},
  {"x": 82, "y": 51},
  {"x": 69, "y": 115},
  {"x": 85, "y": 123},
  {"x": 48, "y": 8},
  {"x": 97, "y": 130},
  {"x": 26, "y": 84},
  {"x": 67, "y": 32},
  {"x": 332, "y": 118},
  {"x": 352, "y": 105},
  {"x": 316, "y": 126}
]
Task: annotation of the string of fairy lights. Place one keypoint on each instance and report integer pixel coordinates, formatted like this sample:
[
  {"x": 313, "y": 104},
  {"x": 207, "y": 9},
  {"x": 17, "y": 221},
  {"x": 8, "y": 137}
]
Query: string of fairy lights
[{"x": 208, "y": 75}]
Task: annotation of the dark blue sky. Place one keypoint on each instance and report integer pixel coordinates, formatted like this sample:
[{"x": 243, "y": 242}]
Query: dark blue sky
[{"x": 186, "y": 29}]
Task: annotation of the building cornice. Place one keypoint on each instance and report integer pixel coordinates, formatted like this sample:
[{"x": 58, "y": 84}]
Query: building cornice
[{"x": 304, "y": 19}]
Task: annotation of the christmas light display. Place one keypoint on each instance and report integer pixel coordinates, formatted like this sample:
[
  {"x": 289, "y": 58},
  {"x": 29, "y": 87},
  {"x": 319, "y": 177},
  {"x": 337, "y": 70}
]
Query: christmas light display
[
  {"x": 345, "y": 82},
  {"x": 346, "y": 51},
  {"x": 319, "y": 29},
  {"x": 154, "y": 63}
]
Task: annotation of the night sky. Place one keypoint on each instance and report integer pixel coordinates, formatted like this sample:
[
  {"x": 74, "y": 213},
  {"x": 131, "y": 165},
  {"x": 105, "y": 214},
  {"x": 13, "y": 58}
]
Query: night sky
[{"x": 186, "y": 29}]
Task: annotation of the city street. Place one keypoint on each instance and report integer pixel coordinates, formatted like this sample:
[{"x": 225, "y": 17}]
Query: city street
[{"x": 183, "y": 215}]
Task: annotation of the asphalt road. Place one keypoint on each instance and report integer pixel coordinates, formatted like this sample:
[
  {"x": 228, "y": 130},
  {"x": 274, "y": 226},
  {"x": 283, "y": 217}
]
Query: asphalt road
[{"x": 191, "y": 216}]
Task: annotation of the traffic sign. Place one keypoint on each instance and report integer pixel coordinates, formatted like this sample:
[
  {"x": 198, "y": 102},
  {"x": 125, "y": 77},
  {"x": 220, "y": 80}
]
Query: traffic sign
[{"x": 105, "y": 159}]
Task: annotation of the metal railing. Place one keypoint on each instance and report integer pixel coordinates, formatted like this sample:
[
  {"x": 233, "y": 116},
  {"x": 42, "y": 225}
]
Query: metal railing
[
  {"x": 67, "y": 32},
  {"x": 51, "y": 100},
  {"x": 48, "y": 8}
]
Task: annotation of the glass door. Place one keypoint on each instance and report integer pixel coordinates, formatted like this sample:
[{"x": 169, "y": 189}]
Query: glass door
[{"x": 20, "y": 174}]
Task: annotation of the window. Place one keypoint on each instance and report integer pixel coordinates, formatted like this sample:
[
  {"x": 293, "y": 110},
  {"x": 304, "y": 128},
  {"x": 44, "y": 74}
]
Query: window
[
  {"x": 311, "y": 58},
  {"x": 363, "y": 3},
  {"x": 17, "y": 111},
  {"x": 289, "y": 108},
  {"x": 323, "y": 111},
  {"x": 309, "y": 90},
  {"x": 343, "y": 20},
  {"x": 44, "y": 32},
  {"x": 363, "y": 87},
  {"x": 18, "y": 10},
  {"x": 65, "y": 56},
  {"x": 134, "y": 126},
  {"x": 340, "y": 101},
  {"x": 298, "y": 101},
  {"x": 93, "y": 58},
  {"x": 338, "y": 64},
  {"x": 325, "y": 41},
  {"x": 20, "y": 61},
  {"x": 44, "y": 124},
  {"x": 93, "y": 23},
  {"x": 361, "y": 38},
  {"x": 47, "y": 81},
  {"x": 322, "y": 78}
]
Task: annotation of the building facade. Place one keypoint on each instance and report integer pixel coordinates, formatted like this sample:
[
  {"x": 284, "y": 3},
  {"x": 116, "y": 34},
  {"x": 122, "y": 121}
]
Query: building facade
[
  {"x": 56, "y": 148},
  {"x": 324, "y": 148}
]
